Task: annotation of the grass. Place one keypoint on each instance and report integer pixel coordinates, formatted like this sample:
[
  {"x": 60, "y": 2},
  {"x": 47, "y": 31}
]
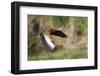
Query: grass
[{"x": 60, "y": 54}]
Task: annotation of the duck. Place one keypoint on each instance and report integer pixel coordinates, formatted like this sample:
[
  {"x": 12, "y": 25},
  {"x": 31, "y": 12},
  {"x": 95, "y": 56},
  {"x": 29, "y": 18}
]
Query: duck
[{"x": 45, "y": 35}]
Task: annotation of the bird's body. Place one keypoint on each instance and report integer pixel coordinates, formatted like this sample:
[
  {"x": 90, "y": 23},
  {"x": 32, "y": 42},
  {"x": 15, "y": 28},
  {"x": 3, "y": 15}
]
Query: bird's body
[
  {"x": 47, "y": 40},
  {"x": 48, "y": 43}
]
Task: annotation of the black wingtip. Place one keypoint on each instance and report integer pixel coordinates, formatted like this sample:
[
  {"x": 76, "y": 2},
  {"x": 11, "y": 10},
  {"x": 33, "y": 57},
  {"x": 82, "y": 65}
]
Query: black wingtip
[{"x": 59, "y": 33}]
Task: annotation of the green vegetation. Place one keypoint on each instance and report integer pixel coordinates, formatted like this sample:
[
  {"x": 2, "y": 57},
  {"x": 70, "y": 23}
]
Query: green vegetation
[
  {"x": 75, "y": 45},
  {"x": 61, "y": 54}
]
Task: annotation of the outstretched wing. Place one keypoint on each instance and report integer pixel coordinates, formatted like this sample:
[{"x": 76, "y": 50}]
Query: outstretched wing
[{"x": 58, "y": 33}]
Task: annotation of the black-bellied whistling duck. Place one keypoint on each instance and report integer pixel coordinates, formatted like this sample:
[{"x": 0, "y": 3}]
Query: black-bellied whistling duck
[{"x": 47, "y": 40}]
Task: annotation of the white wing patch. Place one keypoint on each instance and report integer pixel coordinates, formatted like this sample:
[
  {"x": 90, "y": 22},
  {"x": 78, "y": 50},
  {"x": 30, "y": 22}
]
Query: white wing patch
[{"x": 49, "y": 42}]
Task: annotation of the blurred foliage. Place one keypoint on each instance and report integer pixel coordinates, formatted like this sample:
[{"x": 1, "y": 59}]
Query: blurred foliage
[
  {"x": 81, "y": 25},
  {"x": 61, "y": 54},
  {"x": 75, "y": 27}
]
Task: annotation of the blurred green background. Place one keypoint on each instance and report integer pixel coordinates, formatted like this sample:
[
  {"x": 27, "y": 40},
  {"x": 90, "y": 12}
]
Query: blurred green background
[{"x": 74, "y": 46}]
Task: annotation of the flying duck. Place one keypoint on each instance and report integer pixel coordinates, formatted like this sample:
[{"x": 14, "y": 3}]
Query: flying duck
[
  {"x": 47, "y": 39},
  {"x": 45, "y": 34}
]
